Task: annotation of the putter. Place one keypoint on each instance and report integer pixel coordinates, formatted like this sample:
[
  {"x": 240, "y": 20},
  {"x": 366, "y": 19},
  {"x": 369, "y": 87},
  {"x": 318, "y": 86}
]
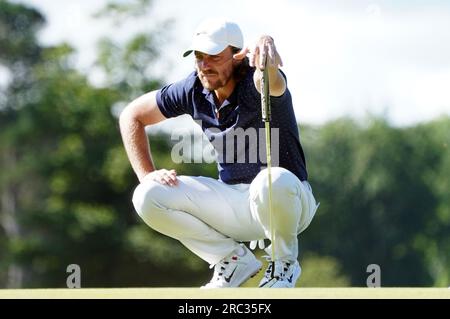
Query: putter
[{"x": 266, "y": 117}]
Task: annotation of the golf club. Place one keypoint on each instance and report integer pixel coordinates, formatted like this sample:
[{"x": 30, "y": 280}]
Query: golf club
[{"x": 266, "y": 117}]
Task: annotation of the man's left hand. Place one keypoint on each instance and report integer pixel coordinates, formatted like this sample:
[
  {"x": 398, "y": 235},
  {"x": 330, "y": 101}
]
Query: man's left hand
[{"x": 258, "y": 53}]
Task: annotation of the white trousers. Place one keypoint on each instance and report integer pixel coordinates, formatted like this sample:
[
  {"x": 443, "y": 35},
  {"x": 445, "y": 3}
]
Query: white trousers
[{"x": 210, "y": 217}]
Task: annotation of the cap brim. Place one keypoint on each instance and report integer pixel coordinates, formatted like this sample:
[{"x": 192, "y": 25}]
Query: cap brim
[
  {"x": 186, "y": 53},
  {"x": 204, "y": 45}
]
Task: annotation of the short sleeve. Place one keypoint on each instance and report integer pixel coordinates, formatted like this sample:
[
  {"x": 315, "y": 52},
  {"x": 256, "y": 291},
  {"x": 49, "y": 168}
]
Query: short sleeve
[{"x": 176, "y": 99}]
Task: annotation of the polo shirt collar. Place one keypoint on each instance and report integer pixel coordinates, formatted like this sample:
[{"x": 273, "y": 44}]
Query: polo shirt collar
[{"x": 210, "y": 97}]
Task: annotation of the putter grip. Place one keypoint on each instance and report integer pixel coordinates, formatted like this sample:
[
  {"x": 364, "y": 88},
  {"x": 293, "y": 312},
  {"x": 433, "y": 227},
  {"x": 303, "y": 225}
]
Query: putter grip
[{"x": 265, "y": 96}]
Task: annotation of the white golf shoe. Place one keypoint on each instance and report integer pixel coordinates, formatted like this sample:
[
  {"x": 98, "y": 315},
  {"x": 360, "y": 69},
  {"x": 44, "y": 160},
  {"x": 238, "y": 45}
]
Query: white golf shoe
[
  {"x": 284, "y": 275},
  {"x": 234, "y": 270}
]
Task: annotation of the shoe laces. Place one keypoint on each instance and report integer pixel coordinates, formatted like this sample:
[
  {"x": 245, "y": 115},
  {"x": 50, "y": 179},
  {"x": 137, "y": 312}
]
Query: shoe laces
[
  {"x": 223, "y": 268},
  {"x": 277, "y": 269}
]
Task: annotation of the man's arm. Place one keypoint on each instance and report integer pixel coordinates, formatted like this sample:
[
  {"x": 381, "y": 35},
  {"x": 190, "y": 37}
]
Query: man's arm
[
  {"x": 265, "y": 50},
  {"x": 139, "y": 113}
]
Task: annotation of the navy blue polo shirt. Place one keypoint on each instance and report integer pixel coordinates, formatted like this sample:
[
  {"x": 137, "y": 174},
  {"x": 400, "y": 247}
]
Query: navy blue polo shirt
[{"x": 236, "y": 130}]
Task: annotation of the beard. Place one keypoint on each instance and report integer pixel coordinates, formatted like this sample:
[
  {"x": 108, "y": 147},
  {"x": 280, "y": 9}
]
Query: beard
[{"x": 213, "y": 80}]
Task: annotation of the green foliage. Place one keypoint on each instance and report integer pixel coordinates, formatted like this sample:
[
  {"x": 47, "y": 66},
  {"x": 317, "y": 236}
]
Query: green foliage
[
  {"x": 120, "y": 11},
  {"x": 322, "y": 271},
  {"x": 127, "y": 68},
  {"x": 18, "y": 27},
  {"x": 375, "y": 185}
]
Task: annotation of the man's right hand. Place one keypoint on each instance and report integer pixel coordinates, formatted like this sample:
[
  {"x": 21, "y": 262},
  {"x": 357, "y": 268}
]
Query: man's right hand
[{"x": 162, "y": 176}]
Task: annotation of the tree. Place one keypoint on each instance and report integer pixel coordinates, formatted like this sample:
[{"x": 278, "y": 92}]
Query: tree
[
  {"x": 432, "y": 146},
  {"x": 384, "y": 200},
  {"x": 20, "y": 51}
]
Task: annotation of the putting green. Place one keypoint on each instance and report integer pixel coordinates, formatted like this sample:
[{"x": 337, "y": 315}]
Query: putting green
[{"x": 230, "y": 293}]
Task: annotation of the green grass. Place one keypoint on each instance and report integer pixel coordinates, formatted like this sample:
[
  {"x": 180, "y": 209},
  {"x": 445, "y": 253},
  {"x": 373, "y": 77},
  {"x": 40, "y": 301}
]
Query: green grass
[{"x": 231, "y": 293}]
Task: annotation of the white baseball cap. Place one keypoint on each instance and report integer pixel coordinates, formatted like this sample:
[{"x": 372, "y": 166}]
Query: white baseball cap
[{"x": 214, "y": 35}]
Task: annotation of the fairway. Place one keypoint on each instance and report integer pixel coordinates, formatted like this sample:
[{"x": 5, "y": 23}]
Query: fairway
[{"x": 230, "y": 293}]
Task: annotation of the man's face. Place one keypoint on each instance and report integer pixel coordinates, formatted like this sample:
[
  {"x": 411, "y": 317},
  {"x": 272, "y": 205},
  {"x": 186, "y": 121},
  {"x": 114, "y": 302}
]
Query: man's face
[{"x": 214, "y": 71}]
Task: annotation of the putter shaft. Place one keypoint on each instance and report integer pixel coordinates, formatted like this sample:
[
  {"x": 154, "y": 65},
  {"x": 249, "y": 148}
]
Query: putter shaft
[{"x": 266, "y": 117}]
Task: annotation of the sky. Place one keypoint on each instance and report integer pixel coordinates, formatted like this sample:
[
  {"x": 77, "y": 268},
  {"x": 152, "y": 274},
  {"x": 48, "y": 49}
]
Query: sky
[{"x": 342, "y": 58}]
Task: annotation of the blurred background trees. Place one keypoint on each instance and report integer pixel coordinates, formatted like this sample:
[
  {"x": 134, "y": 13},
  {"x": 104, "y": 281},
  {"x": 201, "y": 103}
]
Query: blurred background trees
[
  {"x": 66, "y": 185},
  {"x": 383, "y": 192}
]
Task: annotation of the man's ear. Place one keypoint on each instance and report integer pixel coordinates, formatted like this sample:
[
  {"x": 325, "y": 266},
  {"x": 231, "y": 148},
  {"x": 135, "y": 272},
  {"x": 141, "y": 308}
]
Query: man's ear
[{"x": 237, "y": 62}]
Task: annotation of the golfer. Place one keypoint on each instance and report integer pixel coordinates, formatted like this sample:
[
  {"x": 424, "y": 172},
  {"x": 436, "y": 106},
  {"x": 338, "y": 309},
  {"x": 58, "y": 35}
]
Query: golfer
[{"x": 215, "y": 217}]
